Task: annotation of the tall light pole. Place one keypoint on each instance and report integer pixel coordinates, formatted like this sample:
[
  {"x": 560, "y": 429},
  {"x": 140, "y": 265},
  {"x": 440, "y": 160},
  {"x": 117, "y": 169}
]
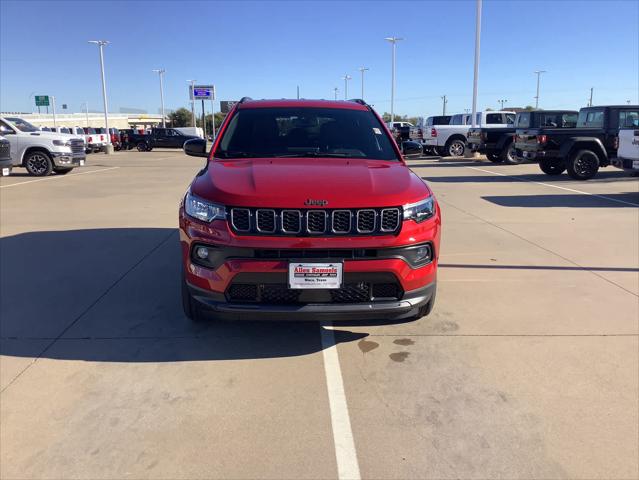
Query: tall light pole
[
  {"x": 346, "y": 78},
  {"x": 160, "y": 72},
  {"x": 590, "y": 101},
  {"x": 101, "y": 44},
  {"x": 501, "y": 102},
  {"x": 538, "y": 73},
  {"x": 362, "y": 70},
  {"x": 335, "y": 90},
  {"x": 476, "y": 68},
  {"x": 444, "y": 102},
  {"x": 192, "y": 82},
  {"x": 393, "y": 41}
]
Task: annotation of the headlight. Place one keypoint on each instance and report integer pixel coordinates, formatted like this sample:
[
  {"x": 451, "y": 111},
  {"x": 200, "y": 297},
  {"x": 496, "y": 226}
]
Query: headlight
[
  {"x": 420, "y": 211},
  {"x": 61, "y": 143},
  {"x": 201, "y": 209}
]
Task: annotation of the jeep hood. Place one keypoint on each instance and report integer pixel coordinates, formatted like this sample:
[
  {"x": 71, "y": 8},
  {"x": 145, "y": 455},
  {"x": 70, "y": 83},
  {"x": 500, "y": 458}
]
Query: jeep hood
[{"x": 290, "y": 182}]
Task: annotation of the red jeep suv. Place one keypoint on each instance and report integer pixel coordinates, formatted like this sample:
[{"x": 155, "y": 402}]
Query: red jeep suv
[{"x": 306, "y": 210}]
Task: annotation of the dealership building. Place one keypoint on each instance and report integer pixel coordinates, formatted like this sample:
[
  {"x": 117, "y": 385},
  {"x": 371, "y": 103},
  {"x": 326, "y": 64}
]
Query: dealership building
[{"x": 90, "y": 119}]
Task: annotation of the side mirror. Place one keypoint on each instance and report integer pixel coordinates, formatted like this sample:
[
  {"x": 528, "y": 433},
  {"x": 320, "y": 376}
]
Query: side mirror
[
  {"x": 196, "y": 147},
  {"x": 411, "y": 148}
]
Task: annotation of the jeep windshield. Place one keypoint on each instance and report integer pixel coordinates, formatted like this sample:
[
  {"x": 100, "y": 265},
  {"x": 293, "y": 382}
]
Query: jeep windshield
[{"x": 288, "y": 132}]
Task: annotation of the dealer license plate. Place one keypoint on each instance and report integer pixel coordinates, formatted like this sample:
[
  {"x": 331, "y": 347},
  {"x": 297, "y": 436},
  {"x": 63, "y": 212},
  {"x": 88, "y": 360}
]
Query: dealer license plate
[
  {"x": 5, "y": 172},
  {"x": 635, "y": 164},
  {"x": 315, "y": 275}
]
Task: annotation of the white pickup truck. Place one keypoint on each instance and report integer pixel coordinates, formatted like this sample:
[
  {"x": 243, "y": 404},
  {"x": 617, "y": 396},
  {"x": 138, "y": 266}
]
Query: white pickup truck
[
  {"x": 450, "y": 140},
  {"x": 628, "y": 151},
  {"x": 41, "y": 152}
]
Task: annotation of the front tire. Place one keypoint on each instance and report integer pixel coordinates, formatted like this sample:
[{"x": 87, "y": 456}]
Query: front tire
[
  {"x": 583, "y": 165},
  {"x": 456, "y": 148},
  {"x": 62, "y": 170},
  {"x": 141, "y": 146},
  {"x": 494, "y": 157},
  {"x": 38, "y": 164},
  {"x": 552, "y": 166}
]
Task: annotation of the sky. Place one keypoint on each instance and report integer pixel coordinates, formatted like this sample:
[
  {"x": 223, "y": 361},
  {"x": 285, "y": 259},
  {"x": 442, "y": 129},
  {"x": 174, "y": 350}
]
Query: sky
[{"x": 266, "y": 49}]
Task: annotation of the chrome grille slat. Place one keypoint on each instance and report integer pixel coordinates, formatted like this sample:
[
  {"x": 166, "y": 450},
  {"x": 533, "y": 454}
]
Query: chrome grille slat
[
  {"x": 316, "y": 221},
  {"x": 77, "y": 145},
  {"x": 291, "y": 221},
  {"x": 265, "y": 220},
  {"x": 313, "y": 222},
  {"x": 366, "y": 220},
  {"x": 341, "y": 221},
  {"x": 241, "y": 219},
  {"x": 390, "y": 218}
]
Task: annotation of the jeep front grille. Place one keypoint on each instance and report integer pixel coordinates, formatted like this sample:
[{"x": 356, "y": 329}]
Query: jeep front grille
[{"x": 314, "y": 222}]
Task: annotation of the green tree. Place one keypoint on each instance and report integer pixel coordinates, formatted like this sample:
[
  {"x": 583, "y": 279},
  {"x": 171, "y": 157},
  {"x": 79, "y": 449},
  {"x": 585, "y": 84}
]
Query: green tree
[{"x": 181, "y": 118}]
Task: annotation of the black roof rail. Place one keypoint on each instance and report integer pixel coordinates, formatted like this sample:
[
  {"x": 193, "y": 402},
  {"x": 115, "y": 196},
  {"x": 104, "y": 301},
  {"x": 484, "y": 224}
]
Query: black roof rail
[
  {"x": 358, "y": 100},
  {"x": 245, "y": 99}
]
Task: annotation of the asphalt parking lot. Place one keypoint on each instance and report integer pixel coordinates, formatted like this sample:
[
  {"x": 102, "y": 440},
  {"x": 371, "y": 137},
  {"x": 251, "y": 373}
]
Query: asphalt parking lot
[{"x": 527, "y": 368}]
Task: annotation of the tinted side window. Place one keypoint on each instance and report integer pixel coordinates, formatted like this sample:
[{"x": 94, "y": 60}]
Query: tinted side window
[
  {"x": 493, "y": 119},
  {"x": 629, "y": 118},
  {"x": 591, "y": 119},
  {"x": 510, "y": 118},
  {"x": 550, "y": 120},
  {"x": 569, "y": 120},
  {"x": 456, "y": 120},
  {"x": 522, "y": 120}
]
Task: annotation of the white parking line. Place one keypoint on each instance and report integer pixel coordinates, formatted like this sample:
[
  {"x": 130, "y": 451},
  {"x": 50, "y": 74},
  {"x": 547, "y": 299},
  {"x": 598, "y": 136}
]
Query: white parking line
[
  {"x": 345, "y": 453},
  {"x": 54, "y": 177},
  {"x": 556, "y": 186}
]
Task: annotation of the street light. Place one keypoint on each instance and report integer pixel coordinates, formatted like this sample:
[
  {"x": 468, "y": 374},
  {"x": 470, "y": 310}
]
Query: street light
[
  {"x": 538, "y": 73},
  {"x": 502, "y": 103},
  {"x": 476, "y": 65},
  {"x": 192, "y": 82},
  {"x": 346, "y": 78},
  {"x": 160, "y": 72},
  {"x": 101, "y": 44},
  {"x": 362, "y": 70},
  {"x": 335, "y": 90},
  {"x": 393, "y": 41}
]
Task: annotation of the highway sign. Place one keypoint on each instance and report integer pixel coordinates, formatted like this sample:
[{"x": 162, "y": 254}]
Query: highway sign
[
  {"x": 202, "y": 92},
  {"x": 42, "y": 100}
]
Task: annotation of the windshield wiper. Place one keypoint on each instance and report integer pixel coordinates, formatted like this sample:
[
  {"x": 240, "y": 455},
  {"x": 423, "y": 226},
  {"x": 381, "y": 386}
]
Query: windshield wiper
[
  {"x": 237, "y": 155},
  {"x": 317, "y": 154}
]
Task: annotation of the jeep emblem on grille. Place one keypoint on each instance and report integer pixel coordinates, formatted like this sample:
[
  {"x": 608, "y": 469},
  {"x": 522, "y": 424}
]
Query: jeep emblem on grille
[{"x": 319, "y": 203}]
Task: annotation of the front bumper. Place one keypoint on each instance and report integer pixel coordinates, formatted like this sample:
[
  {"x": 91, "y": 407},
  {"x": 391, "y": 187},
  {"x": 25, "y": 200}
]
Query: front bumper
[
  {"x": 68, "y": 159},
  {"x": 5, "y": 167},
  {"x": 371, "y": 265},
  {"x": 409, "y": 306}
]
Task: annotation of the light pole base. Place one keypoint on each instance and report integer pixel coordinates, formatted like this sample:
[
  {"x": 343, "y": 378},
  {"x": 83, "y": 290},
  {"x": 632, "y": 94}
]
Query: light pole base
[
  {"x": 108, "y": 149},
  {"x": 468, "y": 153}
]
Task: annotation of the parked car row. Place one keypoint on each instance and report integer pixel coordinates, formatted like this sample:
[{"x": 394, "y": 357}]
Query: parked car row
[
  {"x": 95, "y": 139},
  {"x": 576, "y": 142},
  {"x": 40, "y": 152},
  {"x": 580, "y": 149}
]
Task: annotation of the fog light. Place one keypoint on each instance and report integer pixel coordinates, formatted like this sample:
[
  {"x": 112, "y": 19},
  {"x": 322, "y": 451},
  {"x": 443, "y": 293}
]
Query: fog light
[
  {"x": 422, "y": 253},
  {"x": 202, "y": 252}
]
